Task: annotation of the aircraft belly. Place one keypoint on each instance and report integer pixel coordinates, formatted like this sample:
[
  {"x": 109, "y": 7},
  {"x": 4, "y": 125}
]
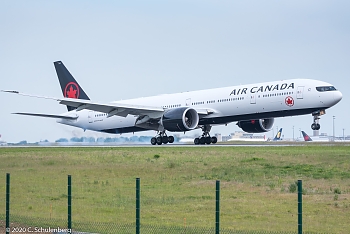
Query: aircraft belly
[
  {"x": 114, "y": 122},
  {"x": 261, "y": 115}
]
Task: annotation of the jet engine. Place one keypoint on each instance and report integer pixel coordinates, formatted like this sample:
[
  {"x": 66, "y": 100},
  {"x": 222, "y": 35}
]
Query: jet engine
[
  {"x": 256, "y": 125},
  {"x": 180, "y": 119}
]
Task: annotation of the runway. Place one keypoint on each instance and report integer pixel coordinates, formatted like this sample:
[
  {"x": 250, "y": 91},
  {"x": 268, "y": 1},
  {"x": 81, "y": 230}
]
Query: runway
[{"x": 220, "y": 144}]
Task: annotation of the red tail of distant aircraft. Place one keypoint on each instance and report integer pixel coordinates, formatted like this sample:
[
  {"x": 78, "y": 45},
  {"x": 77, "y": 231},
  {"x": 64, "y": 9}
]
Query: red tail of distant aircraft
[{"x": 306, "y": 137}]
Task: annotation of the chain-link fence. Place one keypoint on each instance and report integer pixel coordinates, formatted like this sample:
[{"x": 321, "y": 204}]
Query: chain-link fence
[
  {"x": 49, "y": 214},
  {"x": 21, "y": 224}
]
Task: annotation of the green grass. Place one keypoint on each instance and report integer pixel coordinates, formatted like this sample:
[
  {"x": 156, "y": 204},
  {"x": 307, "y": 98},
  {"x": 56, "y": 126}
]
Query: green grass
[{"x": 178, "y": 185}]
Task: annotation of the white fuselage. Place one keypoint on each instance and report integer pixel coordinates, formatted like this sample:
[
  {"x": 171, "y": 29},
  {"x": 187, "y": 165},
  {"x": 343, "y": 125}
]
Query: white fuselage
[{"x": 228, "y": 104}]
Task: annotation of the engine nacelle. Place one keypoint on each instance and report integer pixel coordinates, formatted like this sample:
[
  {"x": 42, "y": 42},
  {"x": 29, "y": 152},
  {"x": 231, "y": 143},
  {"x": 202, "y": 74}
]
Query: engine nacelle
[
  {"x": 180, "y": 119},
  {"x": 257, "y": 125}
]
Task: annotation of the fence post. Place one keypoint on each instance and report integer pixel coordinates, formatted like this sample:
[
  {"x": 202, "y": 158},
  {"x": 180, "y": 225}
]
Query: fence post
[
  {"x": 137, "y": 205},
  {"x": 217, "y": 213},
  {"x": 300, "y": 207},
  {"x": 69, "y": 204},
  {"x": 7, "y": 203}
]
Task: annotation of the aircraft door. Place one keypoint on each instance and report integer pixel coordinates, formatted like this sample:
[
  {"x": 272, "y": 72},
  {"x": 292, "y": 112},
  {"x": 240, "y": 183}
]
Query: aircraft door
[
  {"x": 188, "y": 101},
  {"x": 300, "y": 92},
  {"x": 252, "y": 98},
  {"x": 90, "y": 115}
]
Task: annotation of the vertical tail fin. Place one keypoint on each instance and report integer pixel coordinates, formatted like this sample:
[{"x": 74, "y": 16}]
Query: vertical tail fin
[
  {"x": 70, "y": 87},
  {"x": 278, "y": 135},
  {"x": 306, "y": 137}
]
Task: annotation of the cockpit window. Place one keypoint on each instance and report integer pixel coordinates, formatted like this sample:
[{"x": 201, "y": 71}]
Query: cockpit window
[{"x": 325, "y": 88}]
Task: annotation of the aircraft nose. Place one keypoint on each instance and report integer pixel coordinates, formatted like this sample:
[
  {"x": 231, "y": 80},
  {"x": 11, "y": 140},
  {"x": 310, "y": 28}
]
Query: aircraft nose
[{"x": 337, "y": 96}]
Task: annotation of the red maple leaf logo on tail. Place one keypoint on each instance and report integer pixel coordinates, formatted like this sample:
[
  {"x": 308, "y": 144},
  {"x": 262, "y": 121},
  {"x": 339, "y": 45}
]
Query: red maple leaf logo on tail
[
  {"x": 71, "y": 93},
  {"x": 71, "y": 90}
]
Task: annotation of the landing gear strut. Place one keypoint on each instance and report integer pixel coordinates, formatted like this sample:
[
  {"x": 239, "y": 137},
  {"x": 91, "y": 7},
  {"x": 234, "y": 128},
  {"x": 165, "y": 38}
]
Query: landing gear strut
[
  {"x": 316, "y": 115},
  {"x": 162, "y": 138},
  {"x": 205, "y": 138}
]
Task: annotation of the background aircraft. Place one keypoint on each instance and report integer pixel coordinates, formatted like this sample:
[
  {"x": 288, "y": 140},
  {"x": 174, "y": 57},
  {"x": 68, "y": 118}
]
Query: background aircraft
[
  {"x": 2, "y": 142},
  {"x": 315, "y": 138},
  {"x": 278, "y": 136}
]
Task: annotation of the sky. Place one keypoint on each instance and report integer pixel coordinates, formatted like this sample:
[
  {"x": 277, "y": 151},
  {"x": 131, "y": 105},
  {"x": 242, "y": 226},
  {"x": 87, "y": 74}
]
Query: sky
[{"x": 127, "y": 49}]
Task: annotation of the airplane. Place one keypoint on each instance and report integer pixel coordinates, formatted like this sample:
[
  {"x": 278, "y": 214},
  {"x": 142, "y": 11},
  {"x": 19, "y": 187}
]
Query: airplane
[
  {"x": 186, "y": 140},
  {"x": 316, "y": 139},
  {"x": 2, "y": 143},
  {"x": 323, "y": 138},
  {"x": 278, "y": 136},
  {"x": 254, "y": 107},
  {"x": 252, "y": 138}
]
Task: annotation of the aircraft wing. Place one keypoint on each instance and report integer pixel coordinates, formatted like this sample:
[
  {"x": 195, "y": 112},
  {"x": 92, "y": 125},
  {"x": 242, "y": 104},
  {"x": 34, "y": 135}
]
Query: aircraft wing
[
  {"x": 113, "y": 108},
  {"x": 48, "y": 116},
  {"x": 109, "y": 108}
]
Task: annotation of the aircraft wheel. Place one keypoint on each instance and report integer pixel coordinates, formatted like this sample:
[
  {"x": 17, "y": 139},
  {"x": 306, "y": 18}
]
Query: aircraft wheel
[
  {"x": 196, "y": 141},
  {"x": 165, "y": 140},
  {"x": 318, "y": 126},
  {"x": 214, "y": 140},
  {"x": 159, "y": 140},
  {"x": 313, "y": 126},
  {"x": 170, "y": 139},
  {"x": 202, "y": 140},
  {"x": 153, "y": 141},
  {"x": 207, "y": 140}
]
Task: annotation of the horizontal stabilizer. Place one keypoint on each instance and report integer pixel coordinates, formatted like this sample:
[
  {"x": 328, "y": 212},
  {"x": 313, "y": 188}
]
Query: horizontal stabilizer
[{"x": 48, "y": 116}]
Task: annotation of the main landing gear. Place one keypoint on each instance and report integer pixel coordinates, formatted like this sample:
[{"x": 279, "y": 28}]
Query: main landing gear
[
  {"x": 205, "y": 138},
  {"x": 162, "y": 138},
  {"x": 316, "y": 115}
]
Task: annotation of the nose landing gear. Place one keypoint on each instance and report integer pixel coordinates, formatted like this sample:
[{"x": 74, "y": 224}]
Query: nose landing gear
[{"x": 316, "y": 115}]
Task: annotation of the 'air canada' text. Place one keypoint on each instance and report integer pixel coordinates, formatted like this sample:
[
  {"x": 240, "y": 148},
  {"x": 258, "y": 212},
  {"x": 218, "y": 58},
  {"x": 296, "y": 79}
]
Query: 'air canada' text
[{"x": 267, "y": 88}]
